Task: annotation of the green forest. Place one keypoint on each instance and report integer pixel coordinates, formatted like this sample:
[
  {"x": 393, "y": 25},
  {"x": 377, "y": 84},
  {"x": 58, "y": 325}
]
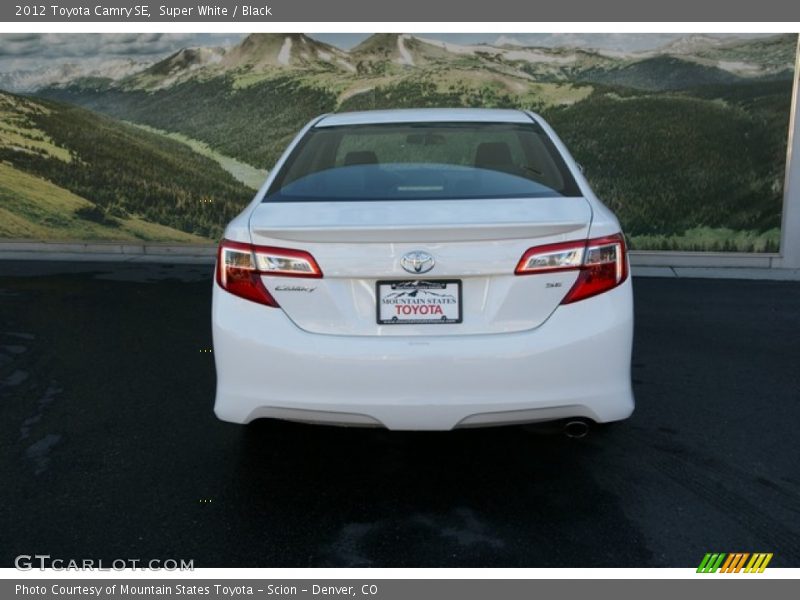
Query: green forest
[
  {"x": 253, "y": 124},
  {"x": 122, "y": 170}
]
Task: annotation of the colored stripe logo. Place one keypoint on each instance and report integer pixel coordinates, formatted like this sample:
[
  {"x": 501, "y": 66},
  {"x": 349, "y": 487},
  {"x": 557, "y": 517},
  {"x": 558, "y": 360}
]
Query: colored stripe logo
[{"x": 738, "y": 562}]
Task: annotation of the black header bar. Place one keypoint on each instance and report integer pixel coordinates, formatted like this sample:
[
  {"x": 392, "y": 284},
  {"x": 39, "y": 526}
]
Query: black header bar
[{"x": 445, "y": 11}]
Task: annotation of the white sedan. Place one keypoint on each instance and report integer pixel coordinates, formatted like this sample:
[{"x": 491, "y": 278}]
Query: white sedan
[{"x": 424, "y": 270}]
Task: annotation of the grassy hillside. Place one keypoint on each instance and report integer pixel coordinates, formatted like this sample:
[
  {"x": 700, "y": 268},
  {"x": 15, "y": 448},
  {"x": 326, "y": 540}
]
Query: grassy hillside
[
  {"x": 33, "y": 208},
  {"x": 124, "y": 172},
  {"x": 248, "y": 175},
  {"x": 668, "y": 163},
  {"x": 660, "y": 73},
  {"x": 253, "y": 124},
  {"x": 775, "y": 52}
]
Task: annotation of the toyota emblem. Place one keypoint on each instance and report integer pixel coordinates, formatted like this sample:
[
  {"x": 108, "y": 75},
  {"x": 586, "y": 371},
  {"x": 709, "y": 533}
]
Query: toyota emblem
[{"x": 417, "y": 262}]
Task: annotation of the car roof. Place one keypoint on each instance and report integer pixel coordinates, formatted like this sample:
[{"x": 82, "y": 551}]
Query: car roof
[{"x": 424, "y": 115}]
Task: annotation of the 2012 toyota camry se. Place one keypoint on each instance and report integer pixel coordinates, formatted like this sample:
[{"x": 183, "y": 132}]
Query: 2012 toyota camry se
[{"x": 424, "y": 270}]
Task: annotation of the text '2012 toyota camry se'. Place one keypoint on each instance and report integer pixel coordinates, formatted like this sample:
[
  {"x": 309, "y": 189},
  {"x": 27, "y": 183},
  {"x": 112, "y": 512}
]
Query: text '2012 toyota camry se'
[{"x": 424, "y": 270}]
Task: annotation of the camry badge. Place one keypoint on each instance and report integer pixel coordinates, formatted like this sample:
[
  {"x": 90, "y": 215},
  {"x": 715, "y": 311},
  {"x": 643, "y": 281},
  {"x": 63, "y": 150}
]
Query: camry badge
[{"x": 417, "y": 262}]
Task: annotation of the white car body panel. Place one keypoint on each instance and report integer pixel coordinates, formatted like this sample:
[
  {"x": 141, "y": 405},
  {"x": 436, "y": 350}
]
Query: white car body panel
[
  {"x": 518, "y": 356},
  {"x": 268, "y": 367}
]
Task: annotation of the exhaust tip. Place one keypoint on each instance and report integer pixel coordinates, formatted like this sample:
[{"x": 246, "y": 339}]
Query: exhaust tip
[{"x": 576, "y": 429}]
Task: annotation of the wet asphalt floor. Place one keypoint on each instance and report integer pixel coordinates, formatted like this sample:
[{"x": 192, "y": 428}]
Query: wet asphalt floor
[{"x": 110, "y": 448}]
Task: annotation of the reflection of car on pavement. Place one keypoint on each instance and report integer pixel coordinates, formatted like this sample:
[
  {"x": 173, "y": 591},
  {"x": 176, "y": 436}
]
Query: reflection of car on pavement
[{"x": 460, "y": 252}]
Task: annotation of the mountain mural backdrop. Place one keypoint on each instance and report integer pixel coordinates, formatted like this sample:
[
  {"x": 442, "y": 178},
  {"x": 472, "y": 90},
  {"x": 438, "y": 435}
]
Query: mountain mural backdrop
[{"x": 687, "y": 142}]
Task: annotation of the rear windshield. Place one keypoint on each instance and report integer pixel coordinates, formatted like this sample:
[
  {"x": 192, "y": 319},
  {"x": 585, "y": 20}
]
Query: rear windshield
[{"x": 423, "y": 161}]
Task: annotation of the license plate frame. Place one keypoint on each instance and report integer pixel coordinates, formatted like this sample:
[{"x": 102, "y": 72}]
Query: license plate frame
[{"x": 439, "y": 288}]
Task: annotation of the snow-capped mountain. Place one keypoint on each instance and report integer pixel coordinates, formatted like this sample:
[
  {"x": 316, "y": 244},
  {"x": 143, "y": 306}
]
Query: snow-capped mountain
[{"x": 28, "y": 80}]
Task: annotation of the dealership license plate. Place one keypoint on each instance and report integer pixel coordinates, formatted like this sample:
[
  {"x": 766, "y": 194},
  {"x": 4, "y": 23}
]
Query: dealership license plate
[{"x": 419, "y": 302}]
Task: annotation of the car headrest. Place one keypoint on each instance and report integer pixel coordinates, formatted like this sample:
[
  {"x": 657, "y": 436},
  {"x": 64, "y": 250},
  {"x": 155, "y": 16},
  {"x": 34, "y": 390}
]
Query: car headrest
[{"x": 492, "y": 154}]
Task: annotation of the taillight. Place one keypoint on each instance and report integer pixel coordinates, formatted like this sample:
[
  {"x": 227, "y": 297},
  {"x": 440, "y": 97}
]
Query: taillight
[
  {"x": 565, "y": 256},
  {"x": 601, "y": 263},
  {"x": 240, "y": 267}
]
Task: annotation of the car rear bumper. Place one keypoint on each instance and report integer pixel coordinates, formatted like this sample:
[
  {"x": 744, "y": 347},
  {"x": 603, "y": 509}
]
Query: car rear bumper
[{"x": 576, "y": 364}]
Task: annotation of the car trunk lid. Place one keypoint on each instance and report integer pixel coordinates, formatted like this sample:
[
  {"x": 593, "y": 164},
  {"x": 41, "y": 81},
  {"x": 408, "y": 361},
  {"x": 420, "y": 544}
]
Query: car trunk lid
[{"x": 474, "y": 243}]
